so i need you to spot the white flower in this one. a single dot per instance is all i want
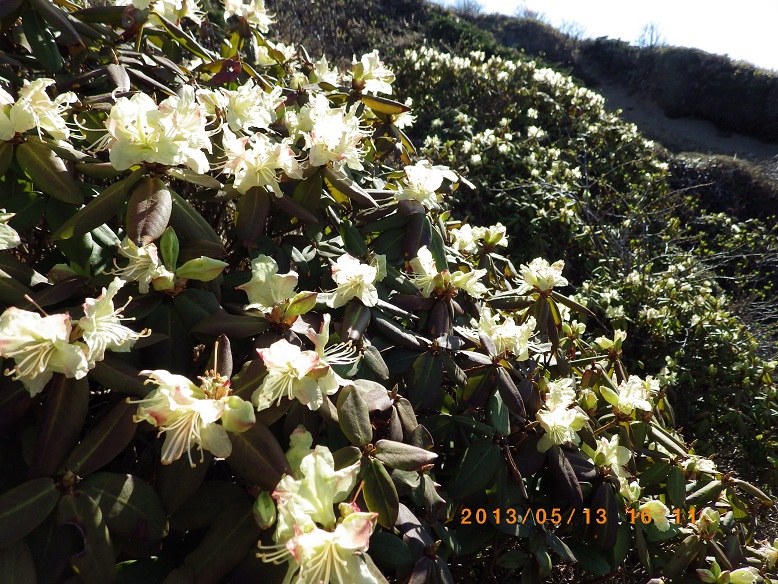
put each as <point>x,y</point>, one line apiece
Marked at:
<point>425,272</point>
<point>560,393</point>
<point>8,236</point>
<point>338,354</point>
<point>172,133</point>
<point>427,278</point>
<point>749,575</point>
<point>494,235</point>
<point>542,276</point>
<point>769,552</point>
<point>255,161</point>
<point>40,346</point>
<point>353,280</point>
<point>465,238</point>
<point>633,393</point>
<point>319,547</point>
<point>422,181</point>
<point>561,425</point>
<point>470,282</point>
<point>610,454</point>
<point>332,135</point>
<point>144,267</point>
<point>294,374</point>
<point>694,463</point>
<point>253,11</point>
<point>102,328</point>
<point>34,109</point>
<point>267,288</point>
<point>188,414</point>
<point>658,512</point>
<point>630,490</point>
<point>371,72</point>
<point>507,335</point>
<point>250,106</point>
<point>172,10</point>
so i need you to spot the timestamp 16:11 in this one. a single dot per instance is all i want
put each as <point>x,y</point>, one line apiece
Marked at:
<point>645,517</point>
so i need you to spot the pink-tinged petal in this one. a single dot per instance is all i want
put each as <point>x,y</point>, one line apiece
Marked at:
<point>355,530</point>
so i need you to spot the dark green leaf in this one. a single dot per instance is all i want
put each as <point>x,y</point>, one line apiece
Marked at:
<point>380,493</point>
<point>402,456</point>
<point>476,470</point>
<point>209,501</point>
<point>354,416</point>
<point>349,188</point>
<point>148,210</point>
<point>41,41</point>
<point>17,565</point>
<point>257,457</point>
<point>251,216</point>
<point>188,223</point>
<point>179,480</point>
<point>230,538</point>
<point>24,507</point>
<point>130,507</point>
<point>425,381</point>
<point>57,19</point>
<point>115,374</point>
<point>390,551</point>
<point>564,476</point>
<point>654,474</point>
<point>234,326</point>
<point>48,171</point>
<point>95,564</point>
<point>99,210</point>
<point>64,412</point>
<point>676,486</point>
<point>107,439</point>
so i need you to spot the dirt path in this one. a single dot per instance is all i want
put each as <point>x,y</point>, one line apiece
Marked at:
<point>684,134</point>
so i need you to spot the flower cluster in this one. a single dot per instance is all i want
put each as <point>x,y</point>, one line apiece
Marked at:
<point>188,414</point>
<point>430,281</point>
<point>34,109</point>
<point>561,418</point>
<point>319,546</point>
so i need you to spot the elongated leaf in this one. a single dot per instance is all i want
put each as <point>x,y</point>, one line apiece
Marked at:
<point>178,481</point>
<point>476,470</point>
<point>395,332</point>
<point>41,41</point>
<point>655,474</point>
<point>95,564</point>
<point>354,416</point>
<point>212,499</point>
<point>425,381</point>
<point>130,506</point>
<point>188,223</point>
<point>402,456</point>
<point>11,291</point>
<point>64,412</point>
<point>510,393</point>
<point>391,551</point>
<point>257,457</point>
<point>308,192</point>
<point>117,375</point>
<point>251,217</point>
<point>604,506</point>
<point>380,493</point>
<point>234,326</point>
<point>375,361</point>
<point>24,507</point>
<point>107,439</point>
<point>564,476</point>
<point>148,210</point>
<point>99,210</point>
<point>382,105</point>
<point>48,171</point>
<point>349,188</point>
<point>57,19</point>
<point>230,538</point>
<point>294,209</point>
<point>17,565</point>
<point>185,40</point>
<point>6,156</point>
<point>15,400</point>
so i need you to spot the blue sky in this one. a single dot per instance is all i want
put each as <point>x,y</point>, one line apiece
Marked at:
<point>747,29</point>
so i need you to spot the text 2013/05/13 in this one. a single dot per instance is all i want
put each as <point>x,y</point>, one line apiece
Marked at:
<point>557,516</point>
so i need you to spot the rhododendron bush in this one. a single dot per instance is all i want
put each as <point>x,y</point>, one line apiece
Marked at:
<point>244,340</point>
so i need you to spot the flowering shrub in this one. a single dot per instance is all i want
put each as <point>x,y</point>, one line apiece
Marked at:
<point>570,180</point>
<point>235,251</point>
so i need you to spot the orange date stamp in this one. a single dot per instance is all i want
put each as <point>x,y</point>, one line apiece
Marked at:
<point>557,516</point>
